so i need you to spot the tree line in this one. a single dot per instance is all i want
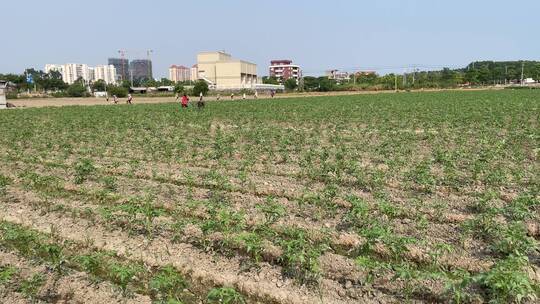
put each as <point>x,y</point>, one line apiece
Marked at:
<point>481,73</point>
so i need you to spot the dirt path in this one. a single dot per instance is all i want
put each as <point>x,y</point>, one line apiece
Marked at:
<point>59,102</point>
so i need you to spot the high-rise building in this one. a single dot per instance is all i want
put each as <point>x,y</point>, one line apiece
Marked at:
<point>53,67</point>
<point>122,68</point>
<point>179,73</point>
<point>224,72</point>
<point>72,71</point>
<point>284,69</point>
<point>194,72</point>
<point>141,69</point>
<point>106,73</point>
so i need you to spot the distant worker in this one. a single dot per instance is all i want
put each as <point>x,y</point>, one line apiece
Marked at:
<point>185,101</point>
<point>115,99</point>
<point>272,93</point>
<point>129,99</point>
<point>244,96</point>
<point>218,97</point>
<point>176,96</point>
<point>256,94</point>
<point>200,103</point>
<point>232,96</point>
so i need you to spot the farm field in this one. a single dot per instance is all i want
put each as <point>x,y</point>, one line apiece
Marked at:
<point>386,198</point>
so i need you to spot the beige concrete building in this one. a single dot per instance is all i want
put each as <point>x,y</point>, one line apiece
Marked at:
<point>224,72</point>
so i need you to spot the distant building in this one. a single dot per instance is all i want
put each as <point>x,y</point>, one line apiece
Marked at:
<point>179,73</point>
<point>106,73</point>
<point>3,89</point>
<point>141,69</point>
<point>222,71</point>
<point>337,75</point>
<point>194,73</point>
<point>122,68</point>
<point>284,69</point>
<point>529,81</point>
<point>365,73</point>
<point>71,71</point>
<point>53,67</point>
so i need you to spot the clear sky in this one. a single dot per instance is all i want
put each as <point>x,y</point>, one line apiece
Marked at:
<point>345,34</point>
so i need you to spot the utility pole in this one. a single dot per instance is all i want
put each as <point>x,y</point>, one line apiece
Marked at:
<point>522,71</point>
<point>149,64</point>
<point>405,78</point>
<point>505,75</point>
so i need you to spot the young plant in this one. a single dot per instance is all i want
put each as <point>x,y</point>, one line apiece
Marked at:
<point>30,287</point>
<point>83,170</point>
<point>508,281</point>
<point>167,285</point>
<point>225,295</point>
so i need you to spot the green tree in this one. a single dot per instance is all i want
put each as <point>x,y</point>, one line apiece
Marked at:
<point>270,80</point>
<point>166,82</point>
<point>200,86</point>
<point>290,84</point>
<point>326,84</point>
<point>118,91</point>
<point>126,84</point>
<point>77,89</point>
<point>178,88</point>
<point>99,85</point>
<point>55,81</point>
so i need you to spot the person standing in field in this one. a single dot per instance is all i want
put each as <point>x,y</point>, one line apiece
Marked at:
<point>232,96</point>
<point>115,99</point>
<point>272,93</point>
<point>185,101</point>
<point>256,94</point>
<point>129,99</point>
<point>200,103</point>
<point>244,96</point>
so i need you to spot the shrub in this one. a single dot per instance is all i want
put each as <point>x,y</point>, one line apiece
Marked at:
<point>200,87</point>
<point>118,91</point>
<point>77,90</point>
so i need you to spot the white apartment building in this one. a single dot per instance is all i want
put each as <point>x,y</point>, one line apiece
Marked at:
<point>73,71</point>
<point>53,67</point>
<point>106,73</point>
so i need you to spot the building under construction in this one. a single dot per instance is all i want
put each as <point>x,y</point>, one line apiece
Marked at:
<point>122,68</point>
<point>140,69</point>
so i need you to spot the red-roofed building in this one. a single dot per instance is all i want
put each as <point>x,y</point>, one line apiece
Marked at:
<point>284,69</point>
<point>179,73</point>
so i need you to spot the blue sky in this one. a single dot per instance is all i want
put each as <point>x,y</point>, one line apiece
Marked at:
<point>345,34</point>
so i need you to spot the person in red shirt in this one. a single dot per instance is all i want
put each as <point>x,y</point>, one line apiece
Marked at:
<point>185,101</point>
